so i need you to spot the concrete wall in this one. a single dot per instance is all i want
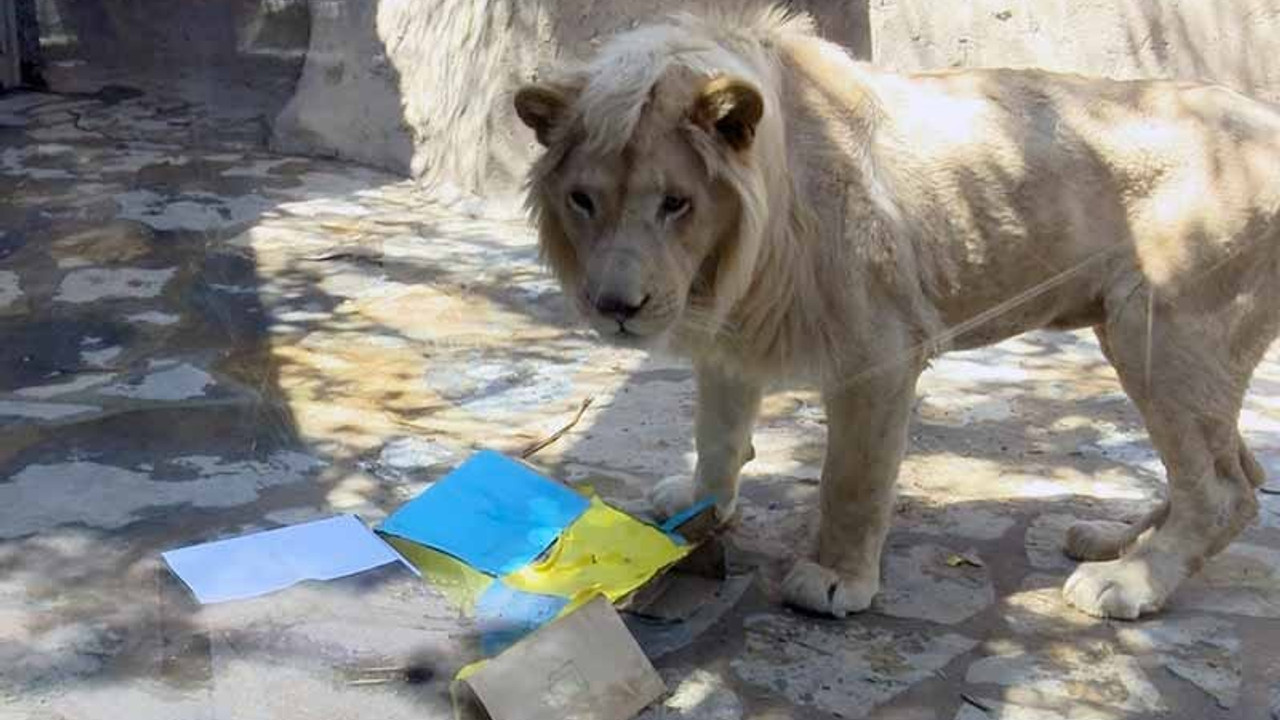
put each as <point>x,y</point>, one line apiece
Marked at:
<point>421,86</point>
<point>1234,42</point>
<point>184,33</point>
<point>242,57</point>
<point>9,58</point>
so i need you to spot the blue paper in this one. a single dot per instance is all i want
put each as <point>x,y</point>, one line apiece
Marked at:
<point>680,518</point>
<point>491,512</point>
<point>504,615</point>
<point>253,565</point>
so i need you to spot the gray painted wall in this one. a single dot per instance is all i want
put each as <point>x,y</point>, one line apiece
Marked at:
<point>420,86</point>
<point>9,59</point>
<point>185,33</point>
<point>1233,42</point>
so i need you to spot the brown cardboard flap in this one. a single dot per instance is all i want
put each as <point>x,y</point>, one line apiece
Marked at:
<point>584,666</point>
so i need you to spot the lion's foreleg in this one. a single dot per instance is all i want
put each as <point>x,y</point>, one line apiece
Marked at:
<point>727,409</point>
<point>866,441</point>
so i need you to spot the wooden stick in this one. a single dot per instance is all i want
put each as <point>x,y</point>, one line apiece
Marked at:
<point>539,445</point>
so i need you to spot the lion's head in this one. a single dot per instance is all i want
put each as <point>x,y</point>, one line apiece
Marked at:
<point>649,198</point>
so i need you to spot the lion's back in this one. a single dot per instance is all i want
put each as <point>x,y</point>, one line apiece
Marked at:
<point>1188,173</point>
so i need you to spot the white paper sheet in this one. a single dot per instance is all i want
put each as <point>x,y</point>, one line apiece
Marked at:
<point>257,564</point>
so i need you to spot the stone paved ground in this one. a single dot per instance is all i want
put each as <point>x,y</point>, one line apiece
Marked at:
<point>200,342</point>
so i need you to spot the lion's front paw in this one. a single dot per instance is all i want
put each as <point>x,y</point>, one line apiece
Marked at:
<point>813,587</point>
<point>670,496</point>
<point>1124,589</point>
<point>673,495</point>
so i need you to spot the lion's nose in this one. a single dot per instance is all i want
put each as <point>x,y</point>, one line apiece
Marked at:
<point>620,307</point>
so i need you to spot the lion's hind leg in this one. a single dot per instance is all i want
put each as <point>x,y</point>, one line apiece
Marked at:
<point>1180,372</point>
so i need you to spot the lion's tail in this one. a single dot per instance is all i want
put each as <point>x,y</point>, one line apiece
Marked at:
<point>1102,540</point>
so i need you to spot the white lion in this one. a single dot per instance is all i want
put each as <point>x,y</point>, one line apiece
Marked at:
<point>745,192</point>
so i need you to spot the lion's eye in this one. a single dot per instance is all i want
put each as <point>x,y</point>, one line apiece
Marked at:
<point>581,202</point>
<point>674,206</point>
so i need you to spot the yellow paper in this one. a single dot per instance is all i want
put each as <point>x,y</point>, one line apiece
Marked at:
<point>603,551</point>
<point>460,583</point>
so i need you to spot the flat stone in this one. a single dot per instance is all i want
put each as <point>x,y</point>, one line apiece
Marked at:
<point>50,656</point>
<point>178,382</point>
<point>15,156</point>
<point>697,695</point>
<point>254,168</point>
<point>353,493</point>
<point>1260,429</point>
<point>153,317</point>
<point>659,446</point>
<point>792,457</point>
<point>61,106</point>
<point>779,531</point>
<point>18,162</point>
<point>43,496</point>
<point>467,255</point>
<point>1070,678</point>
<point>93,284</point>
<point>1243,580</point>
<point>325,206</point>
<point>1045,539</point>
<point>298,515</point>
<point>102,357</point>
<point>198,211</point>
<point>1269,496</point>
<point>955,520</point>
<point>19,102</point>
<point>841,667</point>
<point>1202,651</point>
<point>975,366</point>
<point>233,289</point>
<point>957,408</point>
<point>1037,608</point>
<point>1119,486</point>
<point>996,710</point>
<point>61,132</point>
<point>44,410</point>
<point>1125,445</point>
<point>119,241</point>
<point>313,645</point>
<point>413,453</point>
<point>314,692</point>
<point>76,383</point>
<point>985,477</point>
<point>10,290</point>
<point>138,159</point>
<point>932,582</point>
<point>500,385</point>
<point>144,698</point>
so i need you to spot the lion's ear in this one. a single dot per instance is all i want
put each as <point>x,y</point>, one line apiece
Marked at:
<point>541,107</point>
<point>731,108</point>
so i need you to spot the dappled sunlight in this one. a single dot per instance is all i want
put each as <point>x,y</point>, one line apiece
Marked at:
<point>204,338</point>
<point>382,312</point>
